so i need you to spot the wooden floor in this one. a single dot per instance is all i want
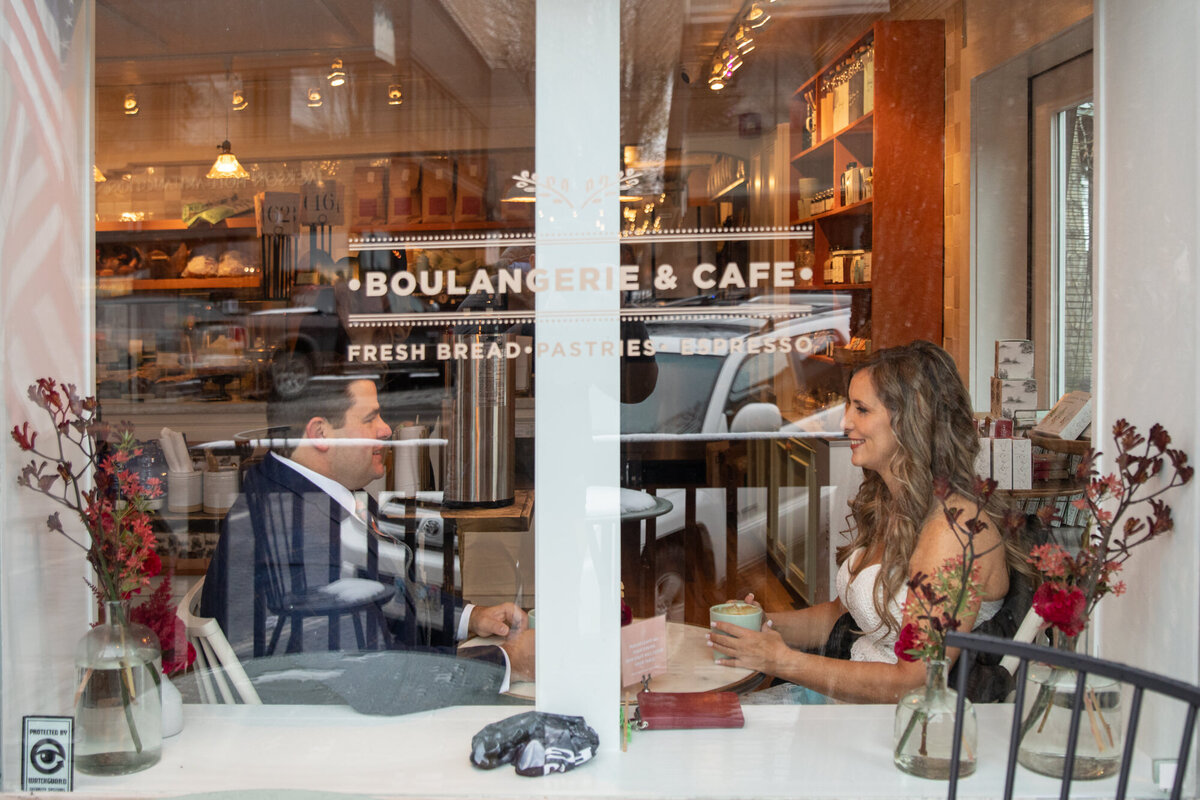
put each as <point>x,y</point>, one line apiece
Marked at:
<point>758,579</point>
<point>768,590</point>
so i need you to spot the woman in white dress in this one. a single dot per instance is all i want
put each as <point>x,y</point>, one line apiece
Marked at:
<point>909,420</point>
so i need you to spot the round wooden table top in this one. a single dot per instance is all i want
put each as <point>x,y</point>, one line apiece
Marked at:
<point>690,667</point>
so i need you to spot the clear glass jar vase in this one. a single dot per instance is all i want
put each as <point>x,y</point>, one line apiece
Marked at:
<point>118,701</point>
<point>1046,721</point>
<point>924,733</point>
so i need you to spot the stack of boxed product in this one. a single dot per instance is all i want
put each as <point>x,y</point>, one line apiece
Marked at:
<point>1005,459</point>
<point>1013,385</point>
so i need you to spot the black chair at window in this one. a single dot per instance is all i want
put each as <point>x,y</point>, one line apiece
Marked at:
<point>1140,680</point>
<point>282,577</point>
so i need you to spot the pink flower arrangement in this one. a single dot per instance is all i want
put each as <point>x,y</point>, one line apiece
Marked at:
<point>114,511</point>
<point>1074,582</point>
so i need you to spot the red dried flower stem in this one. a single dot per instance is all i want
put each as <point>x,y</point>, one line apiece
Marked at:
<point>1134,472</point>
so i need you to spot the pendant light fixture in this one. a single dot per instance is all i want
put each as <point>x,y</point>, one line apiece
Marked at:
<point>226,165</point>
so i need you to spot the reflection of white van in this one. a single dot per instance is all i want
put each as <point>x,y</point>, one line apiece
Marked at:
<point>739,375</point>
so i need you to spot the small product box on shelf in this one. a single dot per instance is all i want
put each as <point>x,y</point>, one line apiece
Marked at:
<point>983,461</point>
<point>1014,359</point>
<point>1069,418</point>
<point>1002,463</point>
<point>1008,397</point>
<point>1022,464</point>
<point>369,206</point>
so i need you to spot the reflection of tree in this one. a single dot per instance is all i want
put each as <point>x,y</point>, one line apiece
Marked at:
<point>1077,322</point>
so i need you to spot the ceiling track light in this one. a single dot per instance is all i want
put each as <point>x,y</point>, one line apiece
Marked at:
<point>314,97</point>
<point>337,73</point>
<point>757,17</point>
<point>738,40</point>
<point>238,102</point>
<point>131,104</point>
<point>395,96</point>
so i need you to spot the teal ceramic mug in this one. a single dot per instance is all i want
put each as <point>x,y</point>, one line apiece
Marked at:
<point>744,615</point>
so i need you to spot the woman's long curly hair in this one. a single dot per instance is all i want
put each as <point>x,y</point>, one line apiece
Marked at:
<point>934,425</point>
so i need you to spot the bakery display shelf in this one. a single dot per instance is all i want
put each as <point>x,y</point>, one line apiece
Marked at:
<point>151,284</point>
<point>438,227</point>
<point>170,225</point>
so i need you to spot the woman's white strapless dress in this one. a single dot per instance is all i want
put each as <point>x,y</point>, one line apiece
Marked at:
<point>877,643</point>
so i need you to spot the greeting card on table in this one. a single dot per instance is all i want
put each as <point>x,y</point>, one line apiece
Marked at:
<point>643,649</point>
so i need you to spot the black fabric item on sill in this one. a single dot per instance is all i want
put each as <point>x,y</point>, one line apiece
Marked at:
<point>535,743</point>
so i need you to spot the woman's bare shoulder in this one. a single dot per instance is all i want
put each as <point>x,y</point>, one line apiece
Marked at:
<point>951,521</point>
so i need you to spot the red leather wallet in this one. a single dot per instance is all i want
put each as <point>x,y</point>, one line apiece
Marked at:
<point>674,710</point>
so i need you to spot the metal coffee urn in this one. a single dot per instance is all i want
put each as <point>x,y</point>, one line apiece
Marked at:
<point>480,460</point>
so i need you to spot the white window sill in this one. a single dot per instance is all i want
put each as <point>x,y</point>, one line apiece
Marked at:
<point>784,751</point>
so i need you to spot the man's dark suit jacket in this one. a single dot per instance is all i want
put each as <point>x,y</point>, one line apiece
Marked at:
<point>289,503</point>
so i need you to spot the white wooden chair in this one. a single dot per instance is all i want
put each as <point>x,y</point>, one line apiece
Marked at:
<point>217,669</point>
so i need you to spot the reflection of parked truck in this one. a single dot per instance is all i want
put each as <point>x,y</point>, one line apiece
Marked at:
<point>291,346</point>
<point>722,376</point>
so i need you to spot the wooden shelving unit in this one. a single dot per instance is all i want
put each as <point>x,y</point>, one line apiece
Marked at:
<point>174,226</point>
<point>901,139</point>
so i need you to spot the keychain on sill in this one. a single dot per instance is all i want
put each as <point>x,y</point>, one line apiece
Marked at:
<point>634,723</point>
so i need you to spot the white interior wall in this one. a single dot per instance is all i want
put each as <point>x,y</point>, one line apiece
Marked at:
<point>45,294</point>
<point>1000,166</point>
<point>1148,160</point>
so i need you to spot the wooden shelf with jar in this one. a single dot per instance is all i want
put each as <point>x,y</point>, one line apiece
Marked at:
<point>871,125</point>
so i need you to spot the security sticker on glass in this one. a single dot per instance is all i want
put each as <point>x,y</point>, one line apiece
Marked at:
<point>48,762</point>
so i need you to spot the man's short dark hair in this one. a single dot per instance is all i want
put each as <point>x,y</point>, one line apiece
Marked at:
<point>328,399</point>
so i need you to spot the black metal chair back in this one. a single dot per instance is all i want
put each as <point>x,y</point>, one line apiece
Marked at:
<point>1140,681</point>
<point>282,574</point>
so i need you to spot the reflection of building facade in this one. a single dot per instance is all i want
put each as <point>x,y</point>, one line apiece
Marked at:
<point>195,308</point>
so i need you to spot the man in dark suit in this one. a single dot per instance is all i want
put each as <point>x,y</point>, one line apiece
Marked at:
<point>305,503</point>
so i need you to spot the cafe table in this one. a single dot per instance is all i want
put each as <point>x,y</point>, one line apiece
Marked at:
<point>828,751</point>
<point>690,667</point>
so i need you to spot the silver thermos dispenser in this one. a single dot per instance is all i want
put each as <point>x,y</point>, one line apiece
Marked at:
<point>480,461</point>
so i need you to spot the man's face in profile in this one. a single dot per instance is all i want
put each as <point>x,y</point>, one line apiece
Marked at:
<point>354,465</point>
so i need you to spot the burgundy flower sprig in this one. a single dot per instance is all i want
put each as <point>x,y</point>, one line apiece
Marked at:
<point>113,511</point>
<point>1074,583</point>
<point>937,603</point>
<point>933,608</point>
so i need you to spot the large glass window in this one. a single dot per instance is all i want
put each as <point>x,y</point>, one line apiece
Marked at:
<point>300,209</point>
<point>432,315</point>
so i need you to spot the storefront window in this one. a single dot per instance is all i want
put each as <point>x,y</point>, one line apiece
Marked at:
<point>383,227</point>
<point>290,216</point>
<point>549,309</point>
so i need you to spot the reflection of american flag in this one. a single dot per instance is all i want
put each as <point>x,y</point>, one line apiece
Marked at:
<point>43,184</point>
